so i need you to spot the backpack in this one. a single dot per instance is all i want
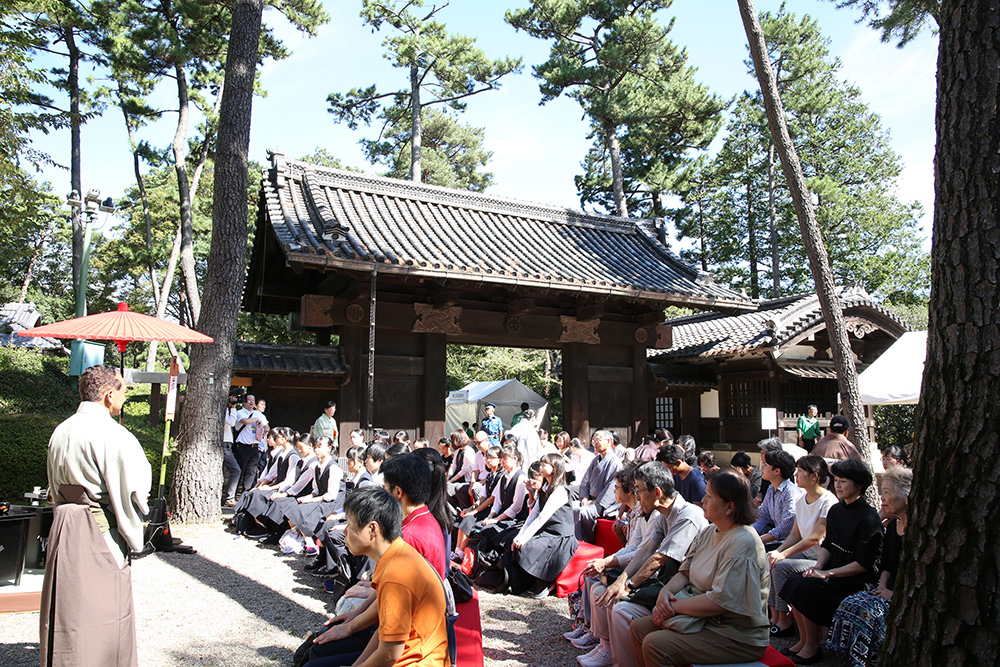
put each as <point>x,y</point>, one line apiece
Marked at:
<point>489,572</point>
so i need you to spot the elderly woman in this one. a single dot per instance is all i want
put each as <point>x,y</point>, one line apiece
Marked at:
<point>800,550</point>
<point>714,610</point>
<point>846,561</point>
<point>858,628</point>
<point>777,513</point>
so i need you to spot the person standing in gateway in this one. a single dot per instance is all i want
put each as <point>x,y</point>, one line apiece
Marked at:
<point>325,424</point>
<point>99,480</point>
<point>808,428</point>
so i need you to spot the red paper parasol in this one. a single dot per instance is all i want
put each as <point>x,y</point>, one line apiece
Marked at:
<point>121,326</point>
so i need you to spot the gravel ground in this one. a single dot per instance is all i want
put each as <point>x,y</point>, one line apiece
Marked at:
<point>236,602</point>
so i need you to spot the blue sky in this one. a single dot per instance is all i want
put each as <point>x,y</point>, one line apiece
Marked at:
<point>536,149</point>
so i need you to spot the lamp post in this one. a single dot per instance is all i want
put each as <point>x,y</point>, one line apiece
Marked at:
<point>89,207</point>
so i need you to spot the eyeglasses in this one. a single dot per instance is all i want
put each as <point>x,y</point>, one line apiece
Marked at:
<point>639,490</point>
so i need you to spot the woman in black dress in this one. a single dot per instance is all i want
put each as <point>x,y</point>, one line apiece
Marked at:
<point>546,543</point>
<point>847,560</point>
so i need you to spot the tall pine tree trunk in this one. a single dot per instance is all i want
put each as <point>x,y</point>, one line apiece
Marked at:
<point>75,167</point>
<point>946,607</point>
<point>752,233</point>
<point>197,483</point>
<point>772,218</point>
<point>819,262</point>
<point>184,195</point>
<point>617,177</point>
<point>416,133</point>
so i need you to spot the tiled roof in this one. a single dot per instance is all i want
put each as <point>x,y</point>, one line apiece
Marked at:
<point>16,317</point>
<point>294,359</point>
<point>776,322</point>
<point>685,375</point>
<point>342,219</point>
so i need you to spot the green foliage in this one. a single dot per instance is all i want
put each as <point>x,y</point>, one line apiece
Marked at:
<point>444,69</point>
<point>24,442</point>
<point>36,394</point>
<point>31,383</point>
<point>900,20</point>
<point>22,108</point>
<point>451,153</point>
<point>871,236</point>
<point>895,425</point>
<point>263,328</point>
<point>533,368</point>
<point>646,110</point>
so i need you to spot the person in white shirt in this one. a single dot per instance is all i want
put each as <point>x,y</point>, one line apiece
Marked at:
<point>247,448</point>
<point>230,466</point>
<point>528,442</point>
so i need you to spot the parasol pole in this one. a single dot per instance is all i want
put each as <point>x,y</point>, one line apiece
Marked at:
<point>122,344</point>
<point>158,531</point>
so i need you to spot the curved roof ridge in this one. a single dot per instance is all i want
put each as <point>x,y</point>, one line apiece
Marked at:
<point>437,194</point>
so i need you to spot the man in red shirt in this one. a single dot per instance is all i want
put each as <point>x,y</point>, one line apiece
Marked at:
<point>411,602</point>
<point>408,479</point>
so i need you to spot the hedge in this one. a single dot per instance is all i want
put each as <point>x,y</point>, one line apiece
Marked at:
<point>31,383</point>
<point>36,394</point>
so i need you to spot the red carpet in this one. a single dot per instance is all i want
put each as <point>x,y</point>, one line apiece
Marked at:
<point>469,633</point>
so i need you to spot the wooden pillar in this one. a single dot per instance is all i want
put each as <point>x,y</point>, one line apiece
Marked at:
<point>435,384</point>
<point>354,393</point>
<point>640,394</point>
<point>576,394</point>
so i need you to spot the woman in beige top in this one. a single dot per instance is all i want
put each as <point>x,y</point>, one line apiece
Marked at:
<point>714,610</point>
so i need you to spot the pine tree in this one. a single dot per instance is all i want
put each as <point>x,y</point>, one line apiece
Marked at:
<point>646,110</point>
<point>444,70</point>
<point>849,166</point>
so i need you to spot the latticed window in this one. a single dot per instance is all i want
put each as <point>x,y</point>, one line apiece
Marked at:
<point>743,399</point>
<point>666,413</point>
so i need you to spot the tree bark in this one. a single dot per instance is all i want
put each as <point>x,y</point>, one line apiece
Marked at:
<point>197,483</point>
<point>75,168</point>
<point>416,133</point>
<point>184,195</point>
<point>946,610</point>
<point>752,233</point>
<point>617,177</point>
<point>773,224</point>
<point>819,262</point>
<point>162,296</point>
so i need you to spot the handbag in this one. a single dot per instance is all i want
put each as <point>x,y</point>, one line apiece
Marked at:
<point>461,585</point>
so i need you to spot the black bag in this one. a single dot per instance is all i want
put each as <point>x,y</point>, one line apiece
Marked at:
<point>461,585</point>
<point>490,573</point>
<point>301,655</point>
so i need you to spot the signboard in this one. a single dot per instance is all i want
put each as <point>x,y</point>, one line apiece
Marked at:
<point>769,419</point>
<point>172,390</point>
<point>458,396</point>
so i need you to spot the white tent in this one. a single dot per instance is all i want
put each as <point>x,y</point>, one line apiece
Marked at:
<point>468,404</point>
<point>894,378</point>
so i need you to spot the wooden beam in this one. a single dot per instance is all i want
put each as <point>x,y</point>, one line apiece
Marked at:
<point>446,298</point>
<point>590,312</point>
<point>652,317</point>
<point>521,306</point>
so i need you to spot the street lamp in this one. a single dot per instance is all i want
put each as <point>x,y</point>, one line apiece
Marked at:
<point>89,207</point>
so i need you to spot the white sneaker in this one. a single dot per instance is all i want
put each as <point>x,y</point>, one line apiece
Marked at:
<point>599,657</point>
<point>587,641</point>
<point>580,631</point>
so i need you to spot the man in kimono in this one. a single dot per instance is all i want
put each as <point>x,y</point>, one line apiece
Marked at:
<point>99,482</point>
<point>597,488</point>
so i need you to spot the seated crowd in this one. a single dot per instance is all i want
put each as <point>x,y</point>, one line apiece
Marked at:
<point>714,561</point>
